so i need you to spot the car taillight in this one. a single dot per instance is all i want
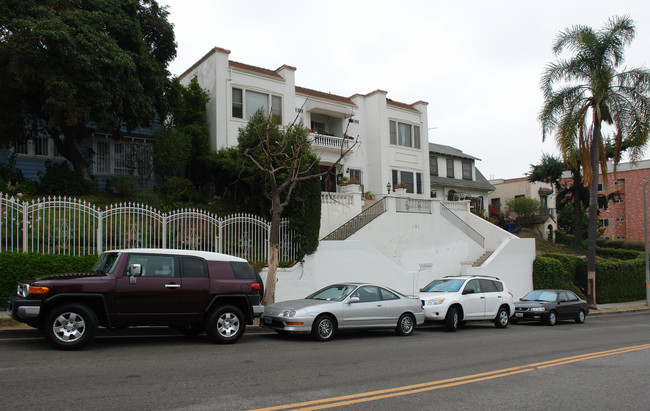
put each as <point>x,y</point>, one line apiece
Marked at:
<point>511,294</point>
<point>255,287</point>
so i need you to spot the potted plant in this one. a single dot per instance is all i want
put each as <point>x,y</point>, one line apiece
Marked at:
<point>400,188</point>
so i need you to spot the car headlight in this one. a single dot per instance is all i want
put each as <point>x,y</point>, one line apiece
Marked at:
<point>538,309</point>
<point>435,301</point>
<point>288,313</point>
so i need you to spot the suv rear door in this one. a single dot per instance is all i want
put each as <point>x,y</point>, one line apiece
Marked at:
<point>493,297</point>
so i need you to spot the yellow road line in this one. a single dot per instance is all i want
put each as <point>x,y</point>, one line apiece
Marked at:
<point>447,383</point>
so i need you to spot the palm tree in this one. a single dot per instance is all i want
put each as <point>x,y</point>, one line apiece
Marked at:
<point>585,90</point>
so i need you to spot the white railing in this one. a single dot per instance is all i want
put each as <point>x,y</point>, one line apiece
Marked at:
<point>323,140</point>
<point>63,225</point>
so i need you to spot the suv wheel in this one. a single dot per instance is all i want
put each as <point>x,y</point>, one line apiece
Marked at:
<point>70,326</point>
<point>501,320</point>
<point>405,324</point>
<point>451,319</point>
<point>225,325</point>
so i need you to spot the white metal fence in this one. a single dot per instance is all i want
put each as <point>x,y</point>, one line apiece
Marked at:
<point>62,225</point>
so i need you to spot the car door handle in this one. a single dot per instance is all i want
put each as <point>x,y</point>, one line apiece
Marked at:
<point>499,296</point>
<point>482,298</point>
<point>172,286</point>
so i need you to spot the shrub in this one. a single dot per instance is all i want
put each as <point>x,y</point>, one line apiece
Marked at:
<point>59,179</point>
<point>563,238</point>
<point>550,271</point>
<point>178,188</point>
<point>17,267</point>
<point>125,186</point>
<point>616,254</point>
<point>620,280</point>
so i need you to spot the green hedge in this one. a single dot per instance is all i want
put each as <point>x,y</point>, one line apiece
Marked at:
<point>17,267</point>
<point>616,253</point>
<point>616,280</point>
<point>625,245</point>
<point>555,271</point>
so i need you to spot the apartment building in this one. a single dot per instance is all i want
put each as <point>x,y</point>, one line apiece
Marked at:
<point>390,136</point>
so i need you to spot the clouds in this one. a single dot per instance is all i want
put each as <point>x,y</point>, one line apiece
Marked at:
<point>477,63</point>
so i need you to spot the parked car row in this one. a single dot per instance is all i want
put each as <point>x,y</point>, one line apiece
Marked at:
<point>451,301</point>
<point>195,292</point>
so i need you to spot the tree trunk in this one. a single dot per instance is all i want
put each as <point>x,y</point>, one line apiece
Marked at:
<point>68,149</point>
<point>577,209</point>
<point>274,248</point>
<point>593,218</point>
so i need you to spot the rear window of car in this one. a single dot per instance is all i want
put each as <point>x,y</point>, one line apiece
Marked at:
<point>487,286</point>
<point>242,270</point>
<point>194,267</point>
<point>498,285</point>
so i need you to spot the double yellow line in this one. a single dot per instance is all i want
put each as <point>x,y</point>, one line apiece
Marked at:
<point>451,382</point>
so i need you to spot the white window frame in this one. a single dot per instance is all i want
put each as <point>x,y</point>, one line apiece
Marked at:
<point>28,148</point>
<point>397,134</point>
<point>272,101</point>
<point>114,156</point>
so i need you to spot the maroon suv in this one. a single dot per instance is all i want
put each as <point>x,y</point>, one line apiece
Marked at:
<point>193,291</point>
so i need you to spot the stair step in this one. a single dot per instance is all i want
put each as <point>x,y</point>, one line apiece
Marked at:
<point>479,262</point>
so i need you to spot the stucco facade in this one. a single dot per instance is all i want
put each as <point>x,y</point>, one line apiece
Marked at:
<point>390,136</point>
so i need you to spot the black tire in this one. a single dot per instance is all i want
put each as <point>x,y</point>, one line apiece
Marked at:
<point>323,328</point>
<point>551,320</point>
<point>405,324</point>
<point>580,319</point>
<point>70,326</point>
<point>451,319</point>
<point>503,318</point>
<point>225,325</point>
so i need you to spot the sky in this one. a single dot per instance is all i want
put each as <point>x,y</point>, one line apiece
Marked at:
<point>477,63</point>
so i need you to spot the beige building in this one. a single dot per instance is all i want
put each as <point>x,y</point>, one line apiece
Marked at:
<point>508,189</point>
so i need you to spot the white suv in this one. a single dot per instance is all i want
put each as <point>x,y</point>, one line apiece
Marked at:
<point>456,299</point>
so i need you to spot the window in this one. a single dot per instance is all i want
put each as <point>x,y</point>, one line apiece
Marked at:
<point>450,168</point>
<point>413,186</point>
<point>603,204</point>
<point>248,102</point>
<point>605,222</point>
<point>619,200</point>
<point>487,286</point>
<point>600,186</point>
<point>620,182</point>
<point>388,295</point>
<point>194,267</point>
<point>520,196</point>
<point>355,174</point>
<point>544,201</point>
<point>404,134</point>
<point>39,145</point>
<point>152,265</point>
<point>467,170</point>
<point>367,294</point>
<point>433,165</point>
<point>496,204</point>
<point>620,219</point>
<point>237,103</point>
<point>130,156</point>
<point>242,270</point>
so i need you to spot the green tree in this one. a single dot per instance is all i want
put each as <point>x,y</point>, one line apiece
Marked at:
<point>185,135</point>
<point>285,158</point>
<point>525,209</point>
<point>586,90</point>
<point>70,67</point>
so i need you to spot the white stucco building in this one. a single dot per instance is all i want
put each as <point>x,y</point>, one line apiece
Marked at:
<point>391,136</point>
<point>404,239</point>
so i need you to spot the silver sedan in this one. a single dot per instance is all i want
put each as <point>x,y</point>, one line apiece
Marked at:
<point>345,306</point>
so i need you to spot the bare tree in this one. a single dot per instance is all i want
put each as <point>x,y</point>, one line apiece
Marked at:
<point>285,157</point>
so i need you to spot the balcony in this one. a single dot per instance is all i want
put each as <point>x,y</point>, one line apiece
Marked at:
<point>329,142</point>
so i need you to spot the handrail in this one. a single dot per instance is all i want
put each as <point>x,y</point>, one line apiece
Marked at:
<point>461,225</point>
<point>358,221</point>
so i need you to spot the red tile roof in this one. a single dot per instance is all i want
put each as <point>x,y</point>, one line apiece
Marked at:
<point>326,96</point>
<point>254,69</point>
<point>401,105</point>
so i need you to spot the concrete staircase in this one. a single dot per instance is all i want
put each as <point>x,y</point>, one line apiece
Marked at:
<point>479,262</point>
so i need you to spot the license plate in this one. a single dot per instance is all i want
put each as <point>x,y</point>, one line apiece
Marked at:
<point>268,320</point>
<point>519,314</point>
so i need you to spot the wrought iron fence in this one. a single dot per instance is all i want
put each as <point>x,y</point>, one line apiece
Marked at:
<point>64,225</point>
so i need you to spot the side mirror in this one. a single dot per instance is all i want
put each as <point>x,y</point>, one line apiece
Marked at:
<point>135,270</point>
<point>353,300</point>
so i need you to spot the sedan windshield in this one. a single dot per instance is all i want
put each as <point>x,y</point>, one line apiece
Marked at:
<point>547,296</point>
<point>335,292</point>
<point>440,286</point>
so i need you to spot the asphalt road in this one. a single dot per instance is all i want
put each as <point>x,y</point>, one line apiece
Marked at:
<point>603,364</point>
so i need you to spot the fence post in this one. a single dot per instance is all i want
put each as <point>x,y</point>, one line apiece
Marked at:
<point>25,228</point>
<point>100,232</point>
<point>220,237</point>
<point>164,230</point>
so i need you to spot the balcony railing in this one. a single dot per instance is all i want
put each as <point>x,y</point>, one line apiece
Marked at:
<point>322,140</point>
